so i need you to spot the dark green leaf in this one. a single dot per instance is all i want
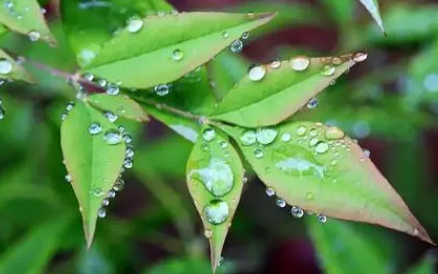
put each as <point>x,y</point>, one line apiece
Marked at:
<point>121,105</point>
<point>215,181</point>
<point>272,93</point>
<point>167,47</point>
<point>92,160</point>
<point>318,169</point>
<point>181,266</point>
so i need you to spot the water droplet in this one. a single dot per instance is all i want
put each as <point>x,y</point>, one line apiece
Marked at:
<point>265,136</point>
<point>112,89</point>
<point>134,24</point>
<point>95,128</point>
<point>257,73</point>
<point>208,233</point>
<point>313,103</point>
<point>43,11</point>
<point>70,106</point>
<point>217,212</point>
<point>97,192</point>
<point>111,116</point>
<point>334,133</point>
<point>322,147</point>
<point>276,64</point>
<point>105,202</point>
<point>328,70</point>
<point>236,46</point>
<point>34,36</point>
<point>300,63</point>
<point>245,180</point>
<point>68,178</point>
<point>128,163</point>
<point>336,61</point>
<point>360,57</point>
<point>366,154</point>
<point>217,177</point>
<point>313,142</point>
<point>297,212</point>
<point>162,89</point>
<point>127,138</point>
<point>313,132</point>
<point>294,160</point>
<point>209,134</point>
<point>177,55</point>
<point>101,212</point>
<point>88,76</point>
<point>245,35</point>
<point>280,202</point>
<point>248,138</point>
<point>119,185</point>
<point>225,34</point>
<point>223,144</point>
<point>334,162</point>
<point>111,194</point>
<point>286,137</point>
<point>221,261</point>
<point>258,153</point>
<point>112,137</point>
<point>5,66</point>
<point>309,196</point>
<point>322,218</point>
<point>102,82</point>
<point>270,192</point>
<point>301,131</point>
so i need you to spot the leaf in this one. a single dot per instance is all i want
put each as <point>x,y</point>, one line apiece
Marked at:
<point>215,181</point>
<point>26,17</point>
<point>9,69</point>
<point>318,169</point>
<point>342,11</point>
<point>426,266</point>
<point>373,8</point>
<point>282,91</point>
<point>93,164</point>
<point>121,105</point>
<point>88,24</point>
<point>170,46</point>
<point>180,266</point>
<point>34,251</point>
<point>342,250</point>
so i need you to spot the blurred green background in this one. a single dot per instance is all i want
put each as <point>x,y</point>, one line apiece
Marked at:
<point>389,103</point>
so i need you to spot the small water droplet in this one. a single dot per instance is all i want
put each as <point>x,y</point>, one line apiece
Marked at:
<point>97,192</point>
<point>111,116</point>
<point>64,116</point>
<point>258,153</point>
<point>177,55</point>
<point>225,34</point>
<point>128,163</point>
<point>112,137</point>
<point>127,138</point>
<point>313,132</point>
<point>336,61</point>
<point>276,64</point>
<point>101,212</point>
<point>70,106</point>
<point>5,66</point>
<point>322,218</point>
<point>68,178</point>
<point>366,154</point>
<point>286,137</point>
<point>257,73</point>
<point>248,138</point>
<point>111,194</point>
<point>162,89</point>
<point>129,151</point>
<point>309,196</point>
<point>217,212</point>
<point>88,76</point>
<point>300,63</point>
<point>360,57</point>
<point>301,131</point>
<point>245,180</point>
<point>322,147</point>
<point>280,202</point>
<point>334,133</point>
<point>102,82</point>
<point>105,202</point>
<point>134,24</point>
<point>328,70</point>
<point>313,142</point>
<point>34,36</point>
<point>236,46</point>
<point>119,185</point>
<point>223,144</point>
<point>297,212</point>
<point>95,128</point>
<point>208,233</point>
<point>245,35</point>
<point>112,89</point>
<point>209,134</point>
<point>265,136</point>
<point>313,103</point>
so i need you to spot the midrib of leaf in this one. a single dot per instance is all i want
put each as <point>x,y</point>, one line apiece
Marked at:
<point>263,17</point>
<point>282,91</point>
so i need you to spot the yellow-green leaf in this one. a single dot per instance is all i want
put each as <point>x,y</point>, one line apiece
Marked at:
<point>167,47</point>
<point>215,181</point>
<point>121,105</point>
<point>94,153</point>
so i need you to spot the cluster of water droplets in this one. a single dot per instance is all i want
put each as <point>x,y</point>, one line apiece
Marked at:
<point>13,11</point>
<point>237,45</point>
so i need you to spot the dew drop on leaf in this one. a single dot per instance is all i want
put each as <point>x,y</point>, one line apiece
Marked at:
<point>313,103</point>
<point>276,64</point>
<point>248,138</point>
<point>309,196</point>
<point>112,137</point>
<point>102,82</point>
<point>297,161</point>
<point>334,133</point>
<point>236,46</point>
<point>322,218</point>
<point>97,192</point>
<point>70,106</point>
<point>112,89</point>
<point>280,202</point>
<point>105,202</point>
<point>34,36</point>
<point>68,178</point>
<point>360,57</point>
<point>265,136</point>
<point>297,212</point>
<point>177,55</point>
<point>5,66</point>
<point>216,212</point>
<point>119,185</point>
<point>101,212</point>
<point>336,61</point>
<point>162,89</point>
<point>110,116</point>
<point>208,233</point>
<point>134,24</point>
<point>225,34</point>
<point>301,130</point>
<point>257,73</point>
<point>286,137</point>
<point>258,153</point>
<point>111,194</point>
<point>128,163</point>
<point>95,128</point>
<point>217,177</point>
<point>208,134</point>
<point>127,138</point>
<point>270,192</point>
<point>300,63</point>
<point>328,70</point>
<point>322,147</point>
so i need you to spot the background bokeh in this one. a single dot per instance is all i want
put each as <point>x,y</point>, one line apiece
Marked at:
<point>389,103</point>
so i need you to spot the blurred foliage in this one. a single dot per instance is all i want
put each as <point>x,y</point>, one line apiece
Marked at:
<point>390,104</point>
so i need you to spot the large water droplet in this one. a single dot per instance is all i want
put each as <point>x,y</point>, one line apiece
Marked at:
<point>34,36</point>
<point>248,138</point>
<point>360,57</point>
<point>300,63</point>
<point>5,66</point>
<point>112,137</point>
<point>297,212</point>
<point>322,147</point>
<point>257,73</point>
<point>134,24</point>
<point>162,89</point>
<point>101,213</point>
<point>216,212</point>
<point>236,46</point>
<point>334,133</point>
<point>95,128</point>
<point>208,134</point>
<point>177,55</point>
<point>297,161</point>
<point>217,177</point>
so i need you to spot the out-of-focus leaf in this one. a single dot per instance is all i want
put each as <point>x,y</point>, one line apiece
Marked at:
<point>318,169</point>
<point>342,250</point>
<point>426,266</point>
<point>34,251</point>
<point>121,105</point>
<point>272,93</point>
<point>93,261</point>
<point>373,8</point>
<point>26,17</point>
<point>181,266</point>
<point>172,45</point>
<point>215,181</point>
<point>9,69</point>
<point>94,151</point>
<point>341,10</point>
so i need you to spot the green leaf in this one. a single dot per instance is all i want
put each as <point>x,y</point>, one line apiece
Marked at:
<point>121,105</point>
<point>318,169</point>
<point>373,8</point>
<point>93,163</point>
<point>426,266</point>
<point>341,10</point>
<point>342,250</point>
<point>9,69</point>
<point>169,46</point>
<point>282,91</point>
<point>34,251</point>
<point>90,24</point>
<point>26,17</point>
<point>181,266</point>
<point>215,181</point>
